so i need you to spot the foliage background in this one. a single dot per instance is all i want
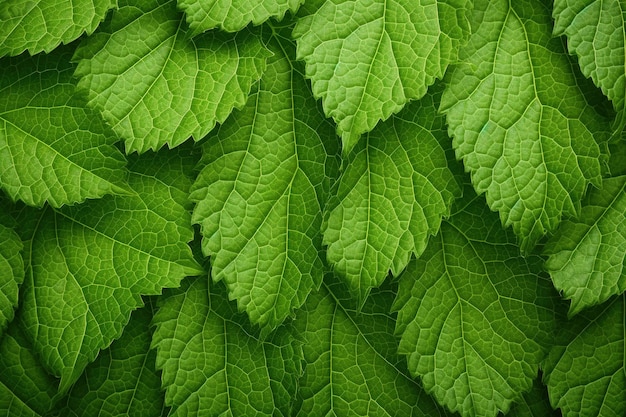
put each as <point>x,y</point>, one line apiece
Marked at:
<point>320,208</point>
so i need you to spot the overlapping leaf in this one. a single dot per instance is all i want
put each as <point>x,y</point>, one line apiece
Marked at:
<point>595,33</point>
<point>26,389</point>
<point>534,403</point>
<point>367,59</point>
<point>475,317</point>
<point>41,25</point>
<point>88,265</point>
<point>519,120</point>
<point>394,190</point>
<point>260,193</point>
<point>52,149</point>
<point>214,365</point>
<point>155,85</point>
<point>352,368</point>
<point>11,273</point>
<point>233,15</point>
<point>123,380</point>
<point>585,371</point>
<point>586,256</point>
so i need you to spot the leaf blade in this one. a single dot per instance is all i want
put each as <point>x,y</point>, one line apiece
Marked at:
<point>259,195</point>
<point>155,85</point>
<point>364,71</point>
<point>528,140</point>
<point>52,149</point>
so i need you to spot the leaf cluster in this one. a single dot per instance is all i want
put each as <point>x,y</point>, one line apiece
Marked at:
<point>320,208</point>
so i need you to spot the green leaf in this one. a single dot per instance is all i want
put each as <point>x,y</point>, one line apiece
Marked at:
<point>233,15</point>
<point>41,25</point>
<point>214,365</point>
<point>367,59</point>
<point>123,380</point>
<point>392,194</point>
<point>155,85</point>
<point>585,371</point>
<point>520,121</point>
<point>595,33</point>
<point>475,317</point>
<point>534,403</point>
<point>52,149</point>
<point>259,196</point>
<point>26,389</point>
<point>352,368</point>
<point>88,265</point>
<point>586,256</point>
<point>11,274</point>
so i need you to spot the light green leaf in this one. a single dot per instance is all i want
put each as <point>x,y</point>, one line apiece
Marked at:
<point>155,85</point>
<point>26,389</point>
<point>367,59</point>
<point>259,196</point>
<point>520,121</point>
<point>233,15</point>
<point>52,149</point>
<point>88,265</point>
<point>11,273</point>
<point>595,33</point>
<point>41,25</point>
<point>586,256</point>
<point>214,365</point>
<point>475,317</point>
<point>352,368</point>
<point>123,380</point>
<point>585,371</point>
<point>393,192</point>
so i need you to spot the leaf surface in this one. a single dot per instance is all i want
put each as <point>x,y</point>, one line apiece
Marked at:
<point>259,196</point>
<point>123,380</point>
<point>213,363</point>
<point>88,265</point>
<point>475,317</point>
<point>155,85</point>
<point>52,149</point>
<point>367,59</point>
<point>11,273</point>
<point>233,15</point>
<point>586,256</point>
<point>41,25</point>
<point>520,121</point>
<point>534,403</point>
<point>595,33</point>
<point>392,194</point>
<point>585,371</point>
<point>26,389</point>
<point>352,368</point>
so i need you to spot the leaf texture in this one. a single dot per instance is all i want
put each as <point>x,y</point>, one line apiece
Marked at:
<point>475,318</point>
<point>259,196</point>
<point>41,25</point>
<point>26,389</point>
<point>534,403</point>
<point>392,194</point>
<point>520,121</point>
<point>367,59</point>
<point>585,371</point>
<point>352,368</point>
<point>586,256</point>
<point>52,149</point>
<point>88,265</point>
<point>155,85</point>
<point>123,380</point>
<point>11,274</point>
<point>233,15</point>
<point>595,33</point>
<point>212,362</point>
